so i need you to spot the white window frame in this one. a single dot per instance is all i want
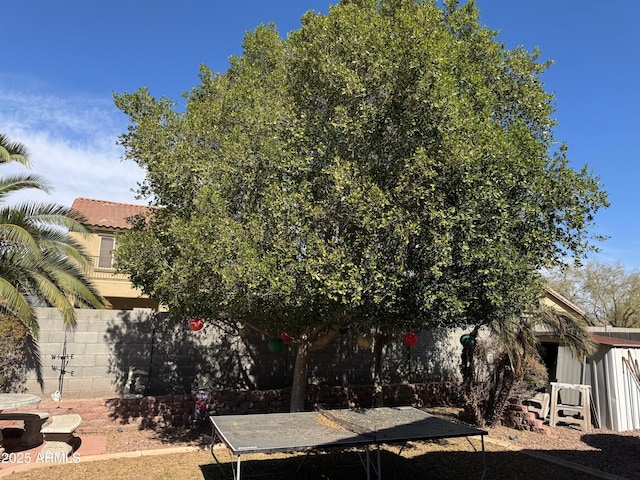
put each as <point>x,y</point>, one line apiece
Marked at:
<point>105,258</point>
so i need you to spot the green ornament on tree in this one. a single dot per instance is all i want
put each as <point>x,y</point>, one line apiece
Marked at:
<point>468,340</point>
<point>276,345</point>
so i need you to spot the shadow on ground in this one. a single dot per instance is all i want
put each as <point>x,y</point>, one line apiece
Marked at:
<point>435,465</point>
<point>615,454</point>
<point>198,433</point>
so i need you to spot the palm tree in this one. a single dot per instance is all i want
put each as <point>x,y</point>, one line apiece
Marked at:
<point>490,381</point>
<point>39,262</point>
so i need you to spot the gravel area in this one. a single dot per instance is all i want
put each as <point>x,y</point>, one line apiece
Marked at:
<point>615,453</point>
<point>130,438</point>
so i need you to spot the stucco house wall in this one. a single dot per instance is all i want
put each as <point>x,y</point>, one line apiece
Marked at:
<point>110,219</point>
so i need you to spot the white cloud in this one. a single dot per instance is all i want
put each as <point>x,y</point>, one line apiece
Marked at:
<point>72,143</point>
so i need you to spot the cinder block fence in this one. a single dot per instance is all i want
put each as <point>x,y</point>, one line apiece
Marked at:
<point>95,359</point>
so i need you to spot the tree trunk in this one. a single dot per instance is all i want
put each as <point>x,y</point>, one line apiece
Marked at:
<point>378,348</point>
<point>381,340</point>
<point>472,402</point>
<point>501,391</point>
<point>318,340</point>
<point>299,386</point>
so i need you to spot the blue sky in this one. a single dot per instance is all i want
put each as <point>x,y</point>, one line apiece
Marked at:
<point>63,60</point>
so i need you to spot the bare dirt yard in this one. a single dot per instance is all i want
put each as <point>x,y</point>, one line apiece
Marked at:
<point>565,453</point>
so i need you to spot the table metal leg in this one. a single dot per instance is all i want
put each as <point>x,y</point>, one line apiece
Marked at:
<point>484,459</point>
<point>235,470</point>
<point>484,455</point>
<point>368,463</point>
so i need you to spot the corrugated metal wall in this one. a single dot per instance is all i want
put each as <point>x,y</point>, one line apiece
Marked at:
<point>568,370</point>
<point>615,388</point>
<point>624,402</point>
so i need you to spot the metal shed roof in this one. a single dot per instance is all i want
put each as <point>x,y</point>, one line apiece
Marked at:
<point>614,341</point>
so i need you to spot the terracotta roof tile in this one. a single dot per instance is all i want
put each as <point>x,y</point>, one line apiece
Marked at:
<point>103,213</point>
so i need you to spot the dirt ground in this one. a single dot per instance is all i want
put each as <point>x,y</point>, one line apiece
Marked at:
<point>510,454</point>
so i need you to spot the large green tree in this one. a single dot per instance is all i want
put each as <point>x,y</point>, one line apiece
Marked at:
<point>40,263</point>
<point>388,165</point>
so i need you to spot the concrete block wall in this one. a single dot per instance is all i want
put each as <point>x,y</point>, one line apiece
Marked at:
<point>88,355</point>
<point>107,343</point>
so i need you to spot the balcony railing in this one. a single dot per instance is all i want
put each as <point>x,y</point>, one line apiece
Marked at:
<point>99,271</point>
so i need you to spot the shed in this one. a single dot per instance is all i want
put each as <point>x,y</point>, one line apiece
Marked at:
<point>612,373</point>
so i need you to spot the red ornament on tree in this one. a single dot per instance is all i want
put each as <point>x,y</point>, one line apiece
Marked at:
<point>196,324</point>
<point>410,339</point>
<point>286,336</point>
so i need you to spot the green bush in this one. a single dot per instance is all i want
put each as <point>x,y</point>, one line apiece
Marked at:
<point>14,338</point>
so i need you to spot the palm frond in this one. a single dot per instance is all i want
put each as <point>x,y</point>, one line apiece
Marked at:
<point>51,215</point>
<point>70,249</point>
<point>70,279</point>
<point>13,151</point>
<point>15,183</point>
<point>39,260</point>
<point>13,302</point>
<point>17,239</point>
<point>79,290</point>
<point>570,330</point>
<point>57,298</point>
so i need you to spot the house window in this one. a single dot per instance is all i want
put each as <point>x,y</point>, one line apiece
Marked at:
<point>107,244</point>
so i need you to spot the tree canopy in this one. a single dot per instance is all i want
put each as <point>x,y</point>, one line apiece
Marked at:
<point>609,293</point>
<point>389,163</point>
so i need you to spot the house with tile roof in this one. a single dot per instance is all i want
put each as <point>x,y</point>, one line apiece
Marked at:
<point>107,220</point>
